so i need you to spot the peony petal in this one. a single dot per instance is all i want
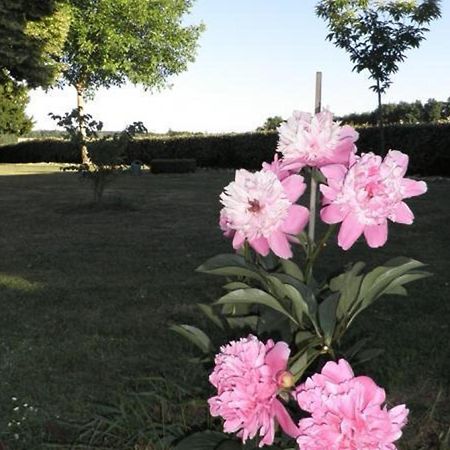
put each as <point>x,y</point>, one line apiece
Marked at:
<point>412,188</point>
<point>277,357</point>
<point>280,245</point>
<point>334,171</point>
<point>296,220</point>
<point>260,245</point>
<point>294,187</point>
<point>371,393</point>
<point>333,214</point>
<point>329,194</point>
<point>238,240</point>
<point>338,372</point>
<point>285,420</point>
<point>376,235</point>
<point>351,229</point>
<point>342,152</point>
<point>400,159</point>
<point>402,214</point>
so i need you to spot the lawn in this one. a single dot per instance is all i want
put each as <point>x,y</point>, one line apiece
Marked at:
<point>87,293</point>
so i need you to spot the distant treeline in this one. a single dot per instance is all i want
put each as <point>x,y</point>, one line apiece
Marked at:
<point>404,113</point>
<point>59,134</point>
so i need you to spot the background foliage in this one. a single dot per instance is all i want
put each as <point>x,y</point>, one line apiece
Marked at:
<point>428,146</point>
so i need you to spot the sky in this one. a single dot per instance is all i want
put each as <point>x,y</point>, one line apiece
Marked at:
<point>256,59</point>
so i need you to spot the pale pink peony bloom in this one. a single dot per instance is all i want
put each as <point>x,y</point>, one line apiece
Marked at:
<point>314,141</point>
<point>261,209</point>
<point>248,375</point>
<point>367,194</point>
<point>347,412</point>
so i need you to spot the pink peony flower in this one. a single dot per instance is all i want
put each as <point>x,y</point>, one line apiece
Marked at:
<point>347,412</point>
<point>367,194</point>
<point>261,209</point>
<point>248,375</point>
<point>315,141</point>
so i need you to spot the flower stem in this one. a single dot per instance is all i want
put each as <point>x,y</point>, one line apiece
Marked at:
<point>312,209</point>
<point>316,252</point>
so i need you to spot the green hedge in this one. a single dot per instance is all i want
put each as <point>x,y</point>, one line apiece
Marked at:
<point>46,150</point>
<point>173,165</point>
<point>428,146</point>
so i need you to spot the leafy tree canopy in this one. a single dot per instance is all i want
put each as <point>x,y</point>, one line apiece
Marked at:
<point>32,34</point>
<point>377,33</point>
<point>271,124</point>
<point>110,41</point>
<point>13,101</point>
<point>408,113</point>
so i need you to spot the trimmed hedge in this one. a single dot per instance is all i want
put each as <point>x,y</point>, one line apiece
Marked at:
<point>173,165</point>
<point>428,146</point>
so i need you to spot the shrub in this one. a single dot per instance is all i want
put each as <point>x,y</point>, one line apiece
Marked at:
<point>173,165</point>
<point>48,150</point>
<point>428,146</point>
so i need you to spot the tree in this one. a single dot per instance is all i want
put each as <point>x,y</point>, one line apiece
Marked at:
<point>433,110</point>
<point>13,101</point>
<point>111,41</point>
<point>377,34</point>
<point>271,124</point>
<point>32,34</point>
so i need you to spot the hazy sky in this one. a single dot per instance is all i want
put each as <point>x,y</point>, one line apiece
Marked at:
<point>258,58</point>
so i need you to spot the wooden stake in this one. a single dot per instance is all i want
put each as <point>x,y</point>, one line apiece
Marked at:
<point>313,193</point>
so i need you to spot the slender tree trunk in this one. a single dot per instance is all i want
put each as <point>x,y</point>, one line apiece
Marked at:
<point>81,125</point>
<point>380,119</point>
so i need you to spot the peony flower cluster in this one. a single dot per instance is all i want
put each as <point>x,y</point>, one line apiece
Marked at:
<point>363,192</point>
<point>347,412</point>
<point>248,375</point>
<point>365,195</point>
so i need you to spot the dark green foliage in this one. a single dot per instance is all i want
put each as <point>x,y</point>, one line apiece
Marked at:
<point>13,101</point>
<point>271,124</point>
<point>220,151</point>
<point>31,36</point>
<point>48,150</point>
<point>404,113</point>
<point>428,146</point>
<point>173,165</point>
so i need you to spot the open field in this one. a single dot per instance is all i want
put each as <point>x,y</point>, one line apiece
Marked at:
<point>86,294</point>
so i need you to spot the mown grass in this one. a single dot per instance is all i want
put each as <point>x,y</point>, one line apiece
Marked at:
<point>86,293</point>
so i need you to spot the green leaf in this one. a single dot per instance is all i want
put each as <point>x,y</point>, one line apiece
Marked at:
<point>306,294</point>
<point>203,440</point>
<point>235,285</point>
<point>298,302</point>
<point>229,445</point>
<point>348,284</point>
<point>243,322</point>
<point>195,335</point>
<point>377,282</point>
<point>327,316</point>
<point>291,269</point>
<point>298,365</point>
<point>208,311</point>
<point>254,296</point>
<point>230,265</point>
